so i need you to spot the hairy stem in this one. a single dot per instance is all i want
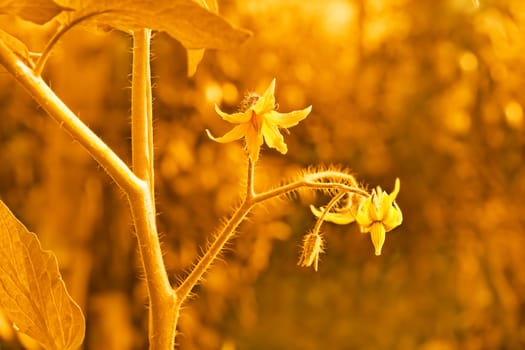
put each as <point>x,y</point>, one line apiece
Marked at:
<point>213,251</point>
<point>250,191</point>
<point>301,183</point>
<point>163,313</point>
<point>215,248</point>
<point>327,209</point>
<point>313,181</point>
<point>141,111</point>
<point>54,106</point>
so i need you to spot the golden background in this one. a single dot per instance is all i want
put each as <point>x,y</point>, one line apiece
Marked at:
<point>427,91</point>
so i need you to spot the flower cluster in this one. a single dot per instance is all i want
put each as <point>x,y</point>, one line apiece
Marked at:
<point>377,214</point>
<point>258,122</point>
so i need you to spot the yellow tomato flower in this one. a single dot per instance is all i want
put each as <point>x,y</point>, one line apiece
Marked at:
<point>259,123</point>
<point>379,214</point>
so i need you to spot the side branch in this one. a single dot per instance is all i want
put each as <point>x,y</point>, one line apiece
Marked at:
<point>215,248</point>
<point>294,186</point>
<point>184,289</point>
<point>314,181</point>
<point>54,106</point>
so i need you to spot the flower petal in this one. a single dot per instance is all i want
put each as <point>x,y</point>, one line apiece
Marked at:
<point>235,118</point>
<point>273,137</point>
<point>394,218</point>
<point>254,140</point>
<point>363,213</point>
<point>377,233</point>
<point>267,101</point>
<point>342,218</point>
<point>234,134</point>
<point>287,120</point>
<point>394,193</point>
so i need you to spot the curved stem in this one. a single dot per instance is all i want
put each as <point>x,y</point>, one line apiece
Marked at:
<point>54,106</point>
<point>326,210</point>
<point>296,185</point>
<point>39,66</point>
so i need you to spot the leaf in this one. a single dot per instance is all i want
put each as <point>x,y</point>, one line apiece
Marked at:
<point>32,292</point>
<point>37,11</point>
<point>193,25</point>
<point>194,56</point>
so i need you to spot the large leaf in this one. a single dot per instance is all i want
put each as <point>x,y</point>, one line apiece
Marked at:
<point>194,56</point>
<point>32,292</point>
<point>195,26</point>
<point>37,11</point>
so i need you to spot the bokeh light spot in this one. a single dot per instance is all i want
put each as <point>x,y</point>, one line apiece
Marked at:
<point>458,122</point>
<point>468,61</point>
<point>338,16</point>
<point>230,94</point>
<point>213,93</point>
<point>514,115</point>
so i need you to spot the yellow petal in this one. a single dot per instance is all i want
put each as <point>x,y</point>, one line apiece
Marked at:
<point>384,207</point>
<point>267,101</point>
<point>394,218</point>
<point>287,120</point>
<point>377,233</point>
<point>363,213</point>
<point>273,137</point>
<point>254,140</point>
<point>394,193</point>
<point>234,134</point>
<point>342,218</point>
<point>235,118</point>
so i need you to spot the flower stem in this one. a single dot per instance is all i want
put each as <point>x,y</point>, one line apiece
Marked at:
<point>250,191</point>
<point>163,313</point>
<point>213,251</point>
<point>308,183</point>
<point>252,199</point>
<point>215,248</point>
<point>326,210</point>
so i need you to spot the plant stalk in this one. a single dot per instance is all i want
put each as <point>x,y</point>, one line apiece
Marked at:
<point>163,314</point>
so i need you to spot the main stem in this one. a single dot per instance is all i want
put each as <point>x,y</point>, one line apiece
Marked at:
<point>163,313</point>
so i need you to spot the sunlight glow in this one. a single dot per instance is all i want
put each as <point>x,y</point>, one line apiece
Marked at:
<point>338,17</point>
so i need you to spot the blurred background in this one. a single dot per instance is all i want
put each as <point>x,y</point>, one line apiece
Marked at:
<point>428,91</point>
